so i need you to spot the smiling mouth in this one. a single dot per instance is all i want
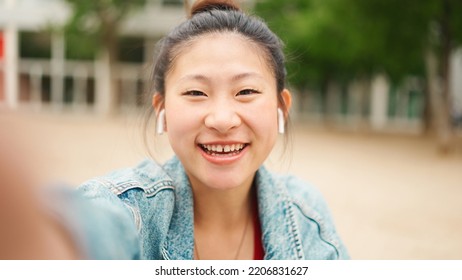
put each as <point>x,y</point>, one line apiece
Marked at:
<point>223,150</point>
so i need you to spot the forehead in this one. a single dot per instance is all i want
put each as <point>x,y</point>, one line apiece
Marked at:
<point>220,52</point>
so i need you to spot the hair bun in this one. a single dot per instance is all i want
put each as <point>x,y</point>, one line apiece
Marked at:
<point>200,6</point>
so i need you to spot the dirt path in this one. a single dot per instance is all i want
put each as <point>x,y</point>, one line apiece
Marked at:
<point>392,196</point>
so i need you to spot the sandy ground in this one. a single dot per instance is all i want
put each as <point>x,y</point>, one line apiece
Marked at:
<point>392,197</point>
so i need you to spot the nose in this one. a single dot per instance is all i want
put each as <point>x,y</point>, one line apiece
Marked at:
<point>222,117</point>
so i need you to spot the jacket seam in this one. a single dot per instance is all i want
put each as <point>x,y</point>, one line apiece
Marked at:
<point>295,232</point>
<point>136,216</point>
<point>120,188</point>
<point>321,229</point>
<point>165,254</point>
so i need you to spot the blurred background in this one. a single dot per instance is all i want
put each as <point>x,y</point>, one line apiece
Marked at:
<point>376,121</point>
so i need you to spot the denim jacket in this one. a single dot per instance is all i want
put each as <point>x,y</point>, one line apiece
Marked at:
<point>146,212</point>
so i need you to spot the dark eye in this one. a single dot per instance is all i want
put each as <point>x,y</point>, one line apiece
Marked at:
<point>248,92</point>
<point>195,93</point>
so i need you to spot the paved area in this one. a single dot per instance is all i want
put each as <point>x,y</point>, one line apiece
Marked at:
<point>392,196</point>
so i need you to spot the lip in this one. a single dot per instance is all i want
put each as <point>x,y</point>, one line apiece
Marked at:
<point>223,160</point>
<point>222,143</point>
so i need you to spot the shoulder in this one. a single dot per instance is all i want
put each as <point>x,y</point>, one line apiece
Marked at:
<point>120,205</point>
<point>148,177</point>
<point>308,199</point>
<point>304,195</point>
<point>108,211</point>
<point>134,189</point>
<point>313,215</point>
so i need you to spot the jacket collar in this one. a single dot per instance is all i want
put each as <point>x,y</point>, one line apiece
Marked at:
<point>280,234</point>
<point>180,238</point>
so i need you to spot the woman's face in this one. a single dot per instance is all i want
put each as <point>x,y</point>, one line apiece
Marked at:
<point>221,110</point>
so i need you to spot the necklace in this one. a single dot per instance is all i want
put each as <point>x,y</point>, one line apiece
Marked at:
<point>238,248</point>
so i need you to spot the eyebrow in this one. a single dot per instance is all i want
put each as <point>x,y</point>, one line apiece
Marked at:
<point>246,75</point>
<point>237,77</point>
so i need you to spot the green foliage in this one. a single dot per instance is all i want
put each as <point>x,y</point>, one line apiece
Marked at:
<point>342,39</point>
<point>80,46</point>
<point>94,23</point>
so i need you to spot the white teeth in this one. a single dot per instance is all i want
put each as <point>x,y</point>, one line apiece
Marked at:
<point>223,148</point>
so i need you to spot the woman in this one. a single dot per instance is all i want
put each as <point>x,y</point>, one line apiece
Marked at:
<point>219,95</point>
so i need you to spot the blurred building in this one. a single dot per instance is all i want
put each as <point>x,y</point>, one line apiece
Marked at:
<point>38,72</point>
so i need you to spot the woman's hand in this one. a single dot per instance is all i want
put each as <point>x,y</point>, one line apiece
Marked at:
<point>27,231</point>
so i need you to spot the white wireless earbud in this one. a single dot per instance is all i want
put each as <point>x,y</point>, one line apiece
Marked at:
<point>281,121</point>
<point>160,122</point>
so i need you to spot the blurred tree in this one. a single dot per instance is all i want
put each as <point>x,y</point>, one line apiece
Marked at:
<point>420,37</point>
<point>319,44</point>
<point>100,21</point>
<point>343,39</point>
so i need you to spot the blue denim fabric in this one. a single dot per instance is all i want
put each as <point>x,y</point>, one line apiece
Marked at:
<point>146,212</point>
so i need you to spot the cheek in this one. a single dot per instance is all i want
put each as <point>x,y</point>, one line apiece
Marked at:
<point>265,124</point>
<point>182,123</point>
<point>262,118</point>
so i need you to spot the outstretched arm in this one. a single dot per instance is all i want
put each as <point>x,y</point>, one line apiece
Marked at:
<point>27,231</point>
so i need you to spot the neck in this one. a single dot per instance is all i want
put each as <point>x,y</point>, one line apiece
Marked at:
<point>222,208</point>
<point>223,223</point>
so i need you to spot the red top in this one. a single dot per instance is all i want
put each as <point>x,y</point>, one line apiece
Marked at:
<point>258,251</point>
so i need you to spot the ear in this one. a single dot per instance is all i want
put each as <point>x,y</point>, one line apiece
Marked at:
<point>157,102</point>
<point>287,99</point>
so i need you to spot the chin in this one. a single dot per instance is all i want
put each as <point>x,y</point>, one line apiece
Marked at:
<point>224,182</point>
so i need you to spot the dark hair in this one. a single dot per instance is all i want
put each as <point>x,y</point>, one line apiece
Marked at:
<point>218,16</point>
<point>211,16</point>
